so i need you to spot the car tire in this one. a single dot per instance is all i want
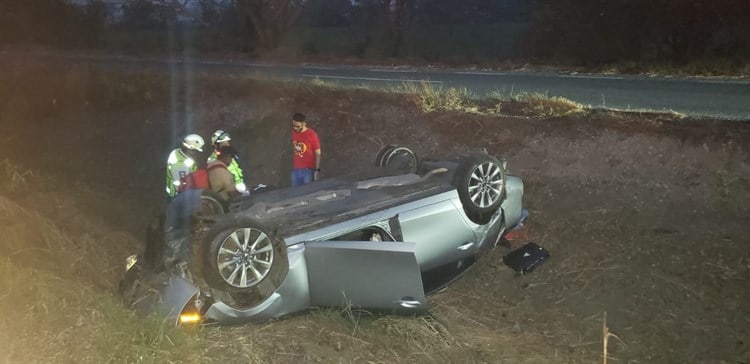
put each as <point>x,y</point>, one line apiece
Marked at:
<point>212,204</point>
<point>401,159</point>
<point>398,158</point>
<point>238,246</point>
<point>480,181</point>
<point>382,154</point>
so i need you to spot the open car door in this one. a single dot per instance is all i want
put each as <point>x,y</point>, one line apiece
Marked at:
<point>376,275</point>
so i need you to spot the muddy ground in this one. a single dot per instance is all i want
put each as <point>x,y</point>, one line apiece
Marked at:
<point>645,216</point>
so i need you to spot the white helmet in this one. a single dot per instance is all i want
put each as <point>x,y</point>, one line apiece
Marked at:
<point>194,142</point>
<point>220,136</point>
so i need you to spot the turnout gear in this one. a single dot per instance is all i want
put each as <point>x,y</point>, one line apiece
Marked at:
<point>221,136</point>
<point>236,170</point>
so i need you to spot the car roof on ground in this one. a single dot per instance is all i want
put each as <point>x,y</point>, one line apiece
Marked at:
<point>295,210</point>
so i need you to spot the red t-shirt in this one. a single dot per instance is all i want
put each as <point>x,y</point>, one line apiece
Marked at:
<point>305,144</point>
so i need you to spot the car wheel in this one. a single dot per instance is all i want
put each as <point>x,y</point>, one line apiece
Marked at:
<point>379,159</point>
<point>212,204</point>
<point>245,260</point>
<point>401,159</point>
<point>480,181</point>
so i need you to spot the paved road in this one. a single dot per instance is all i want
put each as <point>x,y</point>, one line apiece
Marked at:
<point>718,98</point>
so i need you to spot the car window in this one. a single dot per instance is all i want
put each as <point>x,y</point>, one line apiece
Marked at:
<point>370,233</point>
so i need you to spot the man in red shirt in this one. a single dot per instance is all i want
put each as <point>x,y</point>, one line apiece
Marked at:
<point>306,159</point>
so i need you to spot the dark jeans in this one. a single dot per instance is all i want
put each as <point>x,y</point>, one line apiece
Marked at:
<point>182,207</point>
<point>301,176</point>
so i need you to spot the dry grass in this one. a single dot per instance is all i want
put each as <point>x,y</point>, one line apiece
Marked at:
<point>539,105</point>
<point>52,310</point>
<point>13,177</point>
<point>432,98</point>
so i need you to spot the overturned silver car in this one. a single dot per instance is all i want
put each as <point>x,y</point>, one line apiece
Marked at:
<point>379,240</point>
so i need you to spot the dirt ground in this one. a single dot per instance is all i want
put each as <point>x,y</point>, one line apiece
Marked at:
<point>645,216</point>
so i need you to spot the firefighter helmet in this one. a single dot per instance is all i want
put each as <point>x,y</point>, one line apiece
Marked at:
<point>220,136</point>
<point>193,142</point>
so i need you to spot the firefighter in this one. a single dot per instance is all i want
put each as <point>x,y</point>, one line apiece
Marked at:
<point>219,139</point>
<point>182,162</point>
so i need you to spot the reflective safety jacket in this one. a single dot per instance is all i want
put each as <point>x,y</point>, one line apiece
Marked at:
<point>179,165</point>
<point>234,167</point>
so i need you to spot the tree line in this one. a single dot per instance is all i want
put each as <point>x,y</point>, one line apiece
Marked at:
<point>589,32</point>
<point>674,31</point>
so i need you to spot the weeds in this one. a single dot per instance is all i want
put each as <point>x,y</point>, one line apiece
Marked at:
<point>322,83</point>
<point>540,105</point>
<point>437,98</point>
<point>433,98</point>
<point>52,312</point>
<point>13,177</point>
<point>49,318</point>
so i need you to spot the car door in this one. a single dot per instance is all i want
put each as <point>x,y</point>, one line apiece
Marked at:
<point>442,234</point>
<point>376,275</point>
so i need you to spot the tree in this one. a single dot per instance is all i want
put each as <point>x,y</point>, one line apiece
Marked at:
<point>327,13</point>
<point>268,20</point>
<point>51,22</point>
<point>673,31</point>
<point>147,14</point>
<point>388,17</point>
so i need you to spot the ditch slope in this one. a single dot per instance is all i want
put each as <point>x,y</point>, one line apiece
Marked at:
<point>645,215</point>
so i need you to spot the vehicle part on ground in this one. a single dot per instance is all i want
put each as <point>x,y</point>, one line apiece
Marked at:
<point>480,181</point>
<point>401,159</point>
<point>211,204</point>
<point>380,158</point>
<point>526,258</point>
<point>242,256</point>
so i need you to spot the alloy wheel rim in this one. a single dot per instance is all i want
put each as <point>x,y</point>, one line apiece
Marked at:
<point>245,257</point>
<point>485,184</point>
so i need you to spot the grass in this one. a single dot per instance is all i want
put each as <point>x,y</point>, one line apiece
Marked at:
<point>74,89</point>
<point>53,307</point>
<point>53,311</point>
<point>432,98</point>
<point>539,105</point>
<point>699,68</point>
<point>12,177</point>
<point>49,318</point>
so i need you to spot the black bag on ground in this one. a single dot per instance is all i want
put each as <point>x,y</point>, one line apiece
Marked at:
<point>526,258</point>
